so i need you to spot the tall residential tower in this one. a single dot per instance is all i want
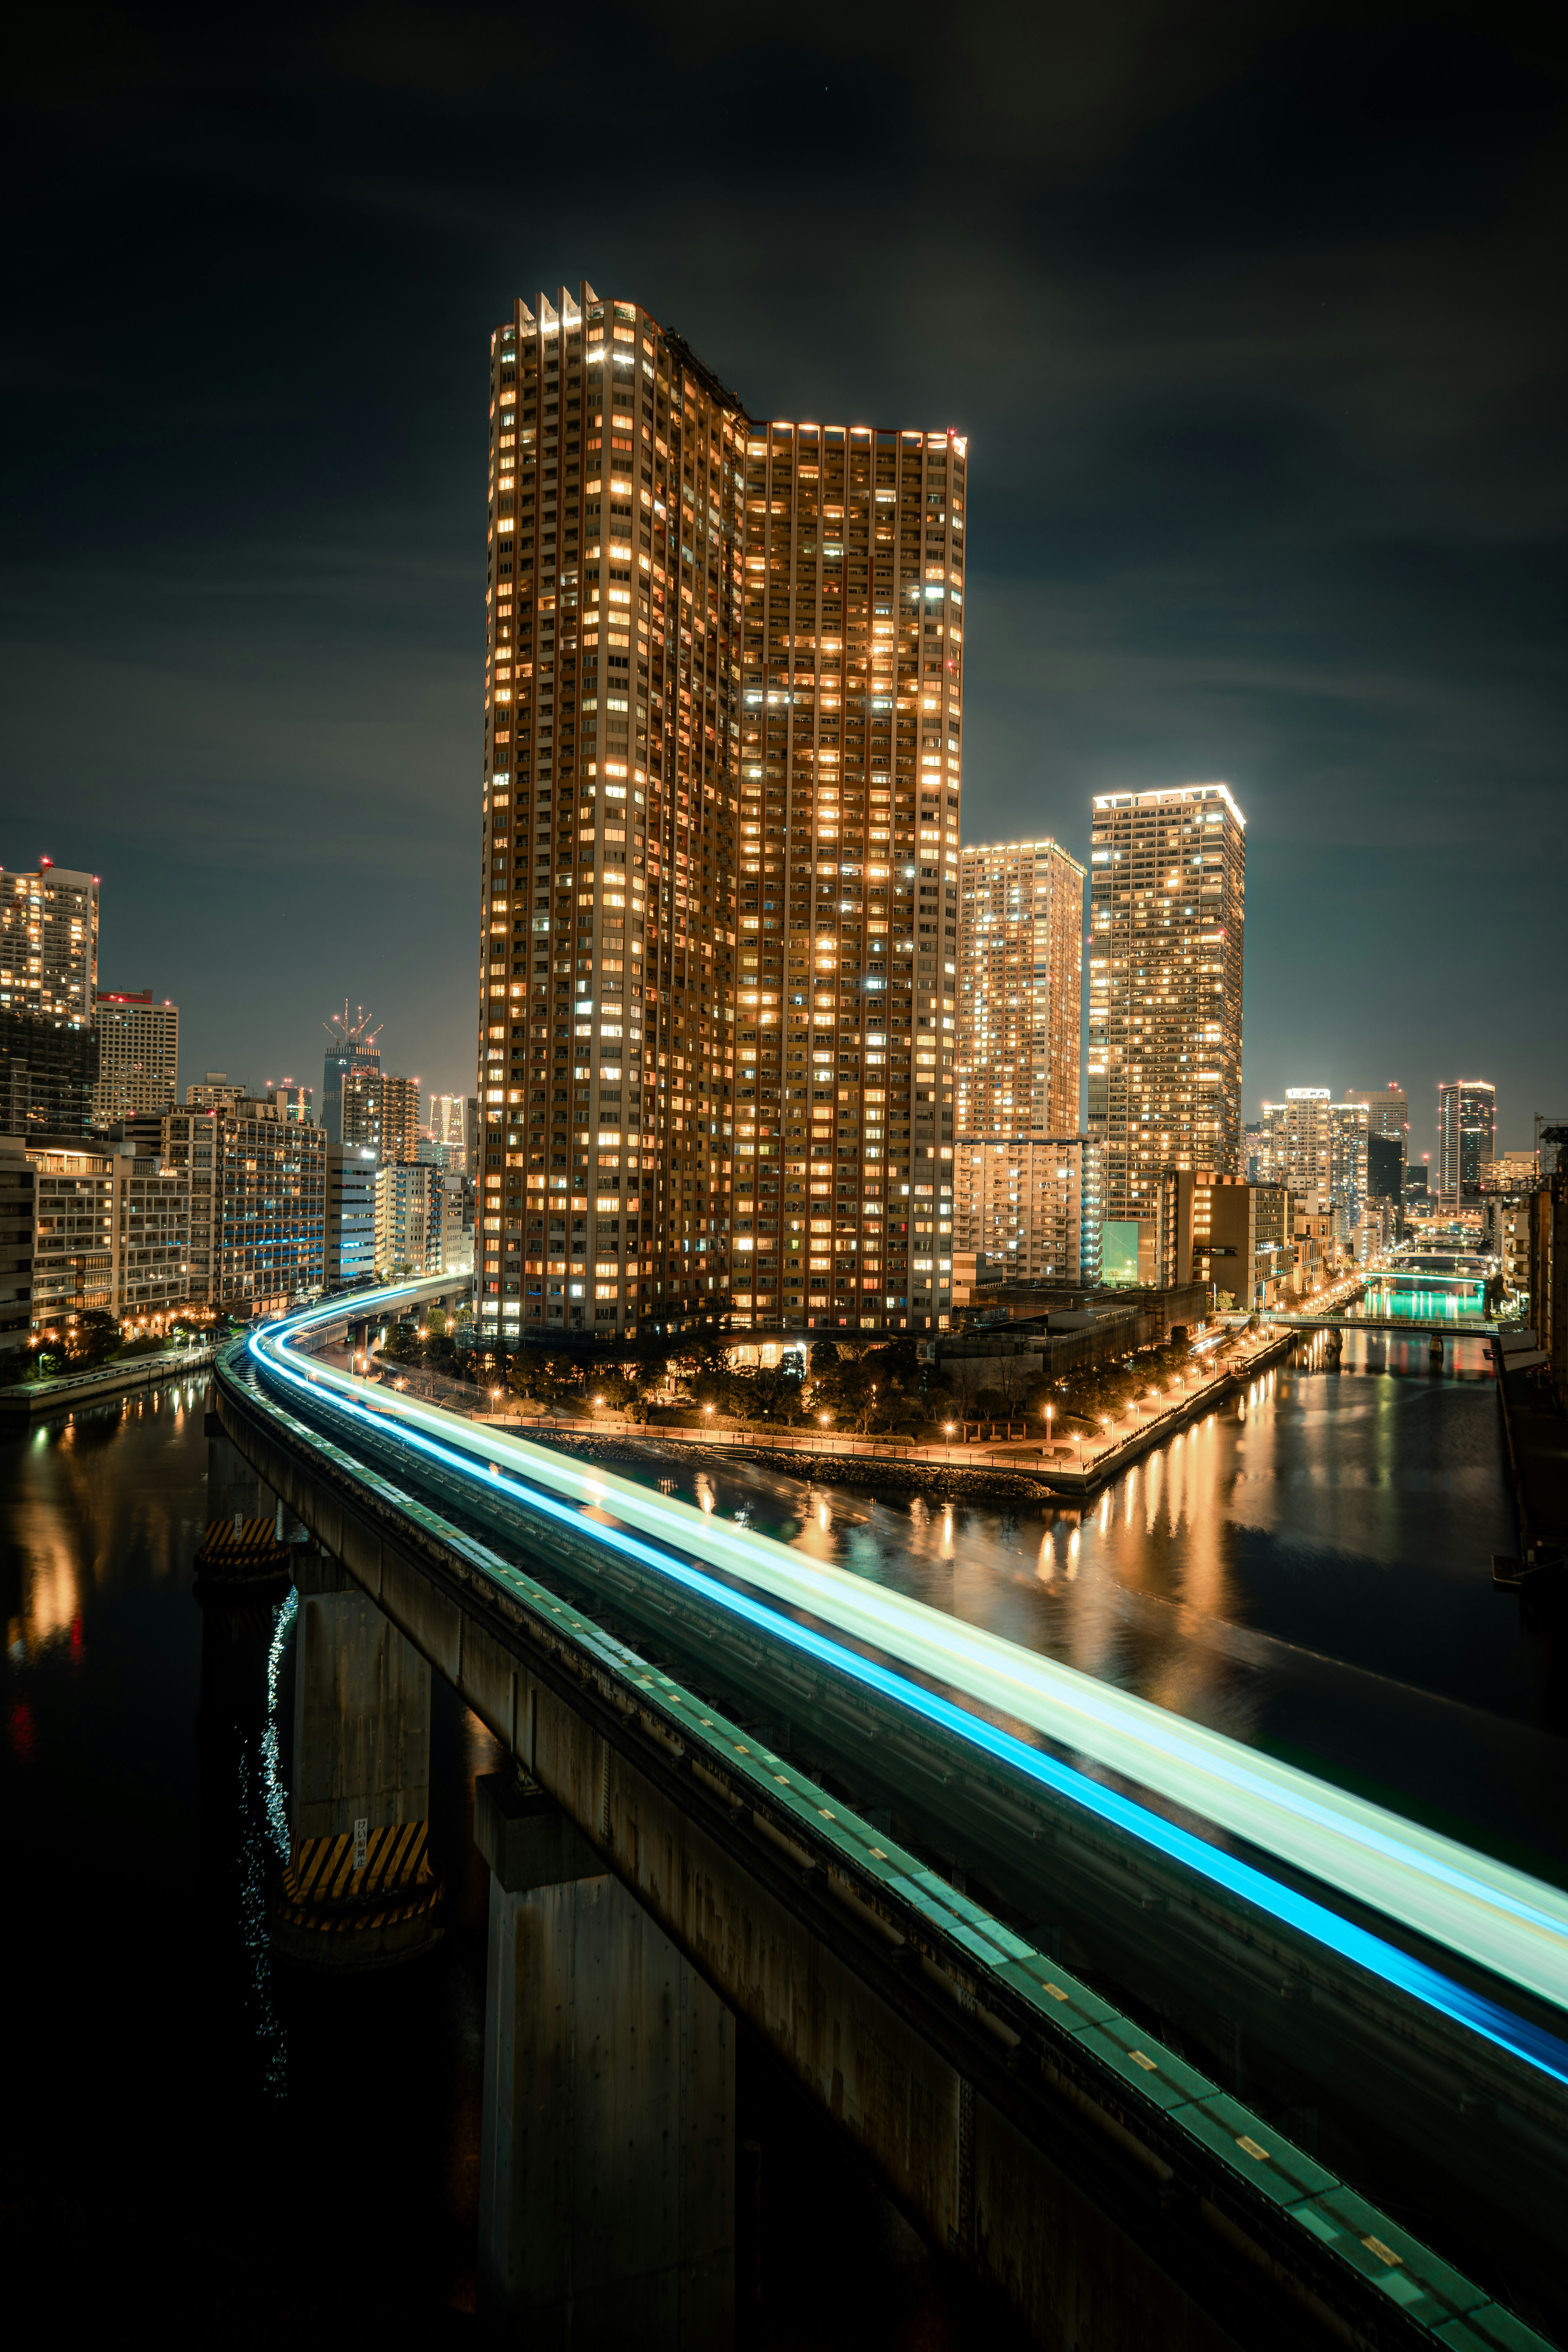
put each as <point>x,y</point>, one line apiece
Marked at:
<point>137,1056</point>
<point>851,777</point>
<point>1467,1134</point>
<point>1167,898</point>
<point>1020,991</point>
<point>719,922</point>
<point>49,943</point>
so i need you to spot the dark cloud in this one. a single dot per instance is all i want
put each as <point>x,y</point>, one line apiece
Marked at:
<point>1252,316</point>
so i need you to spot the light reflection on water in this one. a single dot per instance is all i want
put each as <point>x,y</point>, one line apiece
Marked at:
<point>1306,1569</point>
<point>1401,1302</point>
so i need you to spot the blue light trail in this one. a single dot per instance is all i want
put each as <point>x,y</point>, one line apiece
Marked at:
<point>1512,1925</point>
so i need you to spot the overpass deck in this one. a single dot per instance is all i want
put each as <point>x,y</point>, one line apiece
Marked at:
<point>1448,1326</point>
<point>1428,1956</point>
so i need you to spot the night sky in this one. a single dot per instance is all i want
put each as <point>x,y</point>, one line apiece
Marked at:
<point>1253,318</point>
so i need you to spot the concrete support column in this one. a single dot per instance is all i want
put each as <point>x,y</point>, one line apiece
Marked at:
<point>234,1490</point>
<point>606,2181</point>
<point>359,1891</point>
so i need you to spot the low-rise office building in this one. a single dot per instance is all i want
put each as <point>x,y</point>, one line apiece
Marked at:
<point>1237,1235</point>
<point>350,1215</point>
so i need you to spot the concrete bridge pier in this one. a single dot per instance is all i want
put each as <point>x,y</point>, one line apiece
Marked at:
<point>235,1491</point>
<point>359,1891</point>
<point>608,2155</point>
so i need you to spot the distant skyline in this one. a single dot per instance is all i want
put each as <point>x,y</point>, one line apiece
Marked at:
<point>1242,318</point>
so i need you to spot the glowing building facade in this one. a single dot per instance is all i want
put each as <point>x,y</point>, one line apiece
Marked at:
<point>851,781</point>
<point>1467,1136</point>
<point>49,943</point>
<point>1030,1204</point>
<point>1167,903</point>
<point>137,1056</point>
<point>719,918</point>
<point>1020,990</point>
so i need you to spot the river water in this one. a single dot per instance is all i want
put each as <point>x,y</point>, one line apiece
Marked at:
<point>1307,1570</point>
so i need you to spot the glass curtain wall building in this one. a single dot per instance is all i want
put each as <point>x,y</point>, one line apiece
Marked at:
<point>1466,1135</point>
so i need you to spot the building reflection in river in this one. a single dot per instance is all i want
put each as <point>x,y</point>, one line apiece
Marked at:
<point>1307,1569</point>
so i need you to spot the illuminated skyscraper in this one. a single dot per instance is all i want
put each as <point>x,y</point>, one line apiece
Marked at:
<point>447,1121</point>
<point>1020,990</point>
<point>1387,1109</point>
<point>1167,900</point>
<point>49,943</point>
<point>851,777</point>
<point>351,1080</point>
<point>399,1118</point>
<point>1467,1134</point>
<point>137,1056</point>
<point>1300,1145</point>
<point>606,1046</point>
<point>631,1167</point>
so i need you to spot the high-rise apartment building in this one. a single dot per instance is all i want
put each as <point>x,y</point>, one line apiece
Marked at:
<point>137,1056</point>
<point>1020,990</point>
<point>1467,1134</point>
<point>606,1048</point>
<point>269,1209</point>
<point>49,943</point>
<point>1167,901</point>
<point>640,1009</point>
<point>399,1117</point>
<point>1317,1147</point>
<point>410,1219</point>
<point>76,1254</point>
<point>1031,1204</point>
<point>851,779</point>
<point>364,1092</point>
